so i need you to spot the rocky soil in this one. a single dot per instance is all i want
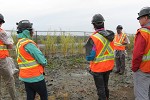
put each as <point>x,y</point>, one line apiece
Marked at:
<point>67,78</point>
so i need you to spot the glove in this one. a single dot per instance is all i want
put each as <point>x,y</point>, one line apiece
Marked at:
<point>91,56</point>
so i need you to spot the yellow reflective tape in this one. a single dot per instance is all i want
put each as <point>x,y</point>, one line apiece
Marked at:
<point>106,47</point>
<point>103,41</point>
<point>122,38</point>
<point>25,63</point>
<point>117,44</point>
<point>31,62</point>
<point>26,67</point>
<point>146,58</point>
<point>145,30</point>
<point>104,58</point>
<point>28,64</point>
<point>22,58</point>
<point>100,37</point>
<point>17,49</point>
<point>3,47</point>
<point>110,50</point>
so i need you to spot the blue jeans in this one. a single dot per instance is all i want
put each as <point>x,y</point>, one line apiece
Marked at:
<point>36,87</point>
<point>101,82</point>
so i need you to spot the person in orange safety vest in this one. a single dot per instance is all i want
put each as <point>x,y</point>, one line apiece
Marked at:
<point>120,41</point>
<point>31,62</point>
<point>5,68</point>
<point>100,53</point>
<point>141,57</point>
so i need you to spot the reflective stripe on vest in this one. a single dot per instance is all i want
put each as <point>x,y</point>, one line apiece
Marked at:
<point>3,47</point>
<point>17,49</point>
<point>25,63</point>
<point>101,57</point>
<point>145,30</point>
<point>122,38</point>
<point>29,64</point>
<point>119,43</point>
<point>3,50</point>
<point>146,57</point>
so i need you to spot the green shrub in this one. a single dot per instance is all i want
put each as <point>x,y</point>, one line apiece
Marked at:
<point>131,45</point>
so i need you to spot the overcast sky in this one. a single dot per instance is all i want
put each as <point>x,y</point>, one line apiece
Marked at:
<point>72,15</point>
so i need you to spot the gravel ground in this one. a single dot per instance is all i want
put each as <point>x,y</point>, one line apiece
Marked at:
<point>68,79</point>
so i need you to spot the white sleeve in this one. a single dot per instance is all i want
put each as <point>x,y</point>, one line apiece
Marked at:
<point>127,40</point>
<point>5,38</point>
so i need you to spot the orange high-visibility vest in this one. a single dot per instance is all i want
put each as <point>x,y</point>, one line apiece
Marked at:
<point>104,60</point>
<point>118,40</point>
<point>29,67</point>
<point>145,64</point>
<point>3,49</point>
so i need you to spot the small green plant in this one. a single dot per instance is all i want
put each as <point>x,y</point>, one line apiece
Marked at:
<point>50,44</point>
<point>64,42</point>
<point>72,45</point>
<point>53,44</point>
<point>80,46</point>
<point>131,45</point>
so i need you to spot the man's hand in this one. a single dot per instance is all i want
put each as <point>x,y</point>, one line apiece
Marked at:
<point>124,43</point>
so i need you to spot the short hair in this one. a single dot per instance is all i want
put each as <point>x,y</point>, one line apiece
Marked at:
<point>1,22</point>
